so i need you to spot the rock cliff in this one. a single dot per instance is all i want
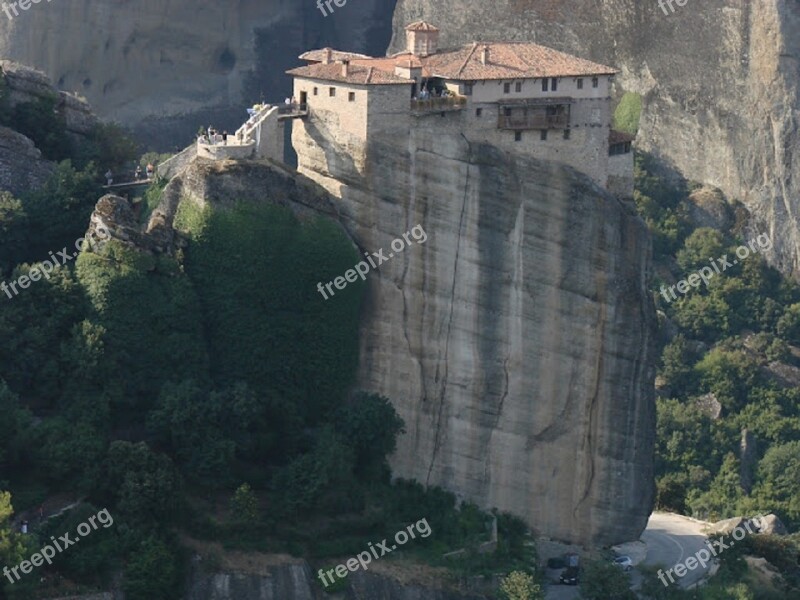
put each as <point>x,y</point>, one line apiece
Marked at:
<point>165,64</point>
<point>25,84</point>
<point>720,81</point>
<point>21,165</point>
<point>517,341</point>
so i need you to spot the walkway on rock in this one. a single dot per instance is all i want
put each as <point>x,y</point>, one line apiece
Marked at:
<point>128,184</point>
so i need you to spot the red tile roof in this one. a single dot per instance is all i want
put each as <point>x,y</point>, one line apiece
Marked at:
<point>357,74</point>
<point>421,26</point>
<point>319,55</point>
<point>509,60</point>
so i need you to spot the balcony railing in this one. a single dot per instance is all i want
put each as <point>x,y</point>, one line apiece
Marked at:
<point>439,104</point>
<point>535,121</point>
<point>292,110</point>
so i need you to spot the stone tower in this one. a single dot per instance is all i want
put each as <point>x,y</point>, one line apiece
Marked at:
<point>422,39</point>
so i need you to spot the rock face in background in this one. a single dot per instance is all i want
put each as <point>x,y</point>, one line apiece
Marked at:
<point>167,66</point>
<point>720,80</point>
<point>517,341</point>
<point>29,85</point>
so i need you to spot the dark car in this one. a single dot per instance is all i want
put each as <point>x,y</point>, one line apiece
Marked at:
<point>570,576</point>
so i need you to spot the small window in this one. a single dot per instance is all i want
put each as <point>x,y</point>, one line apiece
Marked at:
<point>595,82</point>
<point>478,112</point>
<point>554,84</point>
<point>316,91</point>
<point>332,92</point>
<point>580,83</point>
<point>566,134</point>
<point>468,89</point>
<point>545,83</point>
<point>517,136</point>
<point>518,86</point>
<point>506,88</point>
<point>543,135</point>
<point>351,96</point>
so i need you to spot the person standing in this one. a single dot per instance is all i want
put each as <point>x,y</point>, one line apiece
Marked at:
<point>151,170</point>
<point>225,137</point>
<point>109,177</point>
<point>138,173</point>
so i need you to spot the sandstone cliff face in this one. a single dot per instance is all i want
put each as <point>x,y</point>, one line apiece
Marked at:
<point>720,80</point>
<point>517,341</point>
<point>140,61</point>
<point>29,85</point>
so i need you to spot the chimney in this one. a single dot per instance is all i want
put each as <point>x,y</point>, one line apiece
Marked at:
<point>328,56</point>
<point>345,68</point>
<point>485,55</point>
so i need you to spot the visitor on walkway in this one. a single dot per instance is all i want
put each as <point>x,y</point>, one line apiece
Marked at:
<point>109,177</point>
<point>151,170</point>
<point>138,172</point>
<point>225,137</point>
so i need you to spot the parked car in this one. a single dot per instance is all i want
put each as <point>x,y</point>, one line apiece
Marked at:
<point>570,576</point>
<point>624,561</point>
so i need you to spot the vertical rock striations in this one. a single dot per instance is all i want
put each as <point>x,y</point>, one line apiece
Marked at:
<point>720,80</point>
<point>517,341</point>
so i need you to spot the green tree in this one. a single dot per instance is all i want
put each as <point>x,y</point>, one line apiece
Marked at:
<point>518,585</point>
<point>602,580</point>
<point>723,497</point>
<point>703,244</point>
<point>779,481</point>
<point>13,231</point>
<point>788,325</point>
<point>152,572</point>
<point>244,505</point>
<point>12,546</point>
<point>44,124</point>
<point>59,212</point>
<point>628,113</point>
<point>730,374</point>
<point>142,484</point>
<point>109,145</point>
<point>327,469</point>
<point>677,362</point>
<point>370,425</point>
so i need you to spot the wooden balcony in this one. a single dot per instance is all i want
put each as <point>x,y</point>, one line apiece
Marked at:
<point>430,105</point>
<point>532,121</point>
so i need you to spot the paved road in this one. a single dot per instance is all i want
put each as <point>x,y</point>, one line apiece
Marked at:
<point>671,539</point>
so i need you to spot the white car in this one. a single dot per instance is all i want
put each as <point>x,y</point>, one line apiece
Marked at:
<point>624,561</point>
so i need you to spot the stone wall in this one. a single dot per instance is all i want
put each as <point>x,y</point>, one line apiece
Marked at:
<point>620,175</point>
